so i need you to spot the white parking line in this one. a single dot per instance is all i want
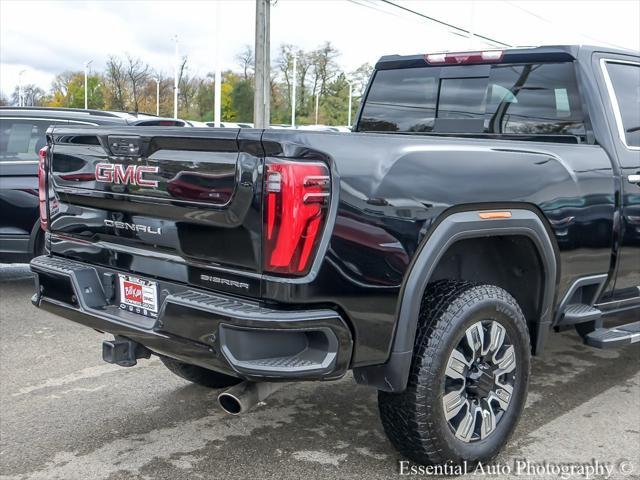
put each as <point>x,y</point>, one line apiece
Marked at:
<point>85,373</point>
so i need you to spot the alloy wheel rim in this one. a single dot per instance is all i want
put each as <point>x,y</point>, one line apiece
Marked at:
<point>479,381</point>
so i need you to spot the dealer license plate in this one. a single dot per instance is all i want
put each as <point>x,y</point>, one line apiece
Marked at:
<point>138,295</point>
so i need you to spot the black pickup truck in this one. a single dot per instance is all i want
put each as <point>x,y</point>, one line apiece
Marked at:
<point>484,200</point>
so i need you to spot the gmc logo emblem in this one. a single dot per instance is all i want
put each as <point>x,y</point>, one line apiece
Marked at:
<point>129,175</point>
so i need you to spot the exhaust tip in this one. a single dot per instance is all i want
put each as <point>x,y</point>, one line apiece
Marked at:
<point>229,403</point>
<point>244,396</point>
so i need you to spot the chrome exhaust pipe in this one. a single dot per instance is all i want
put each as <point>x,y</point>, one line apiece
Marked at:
<point>246,395</point>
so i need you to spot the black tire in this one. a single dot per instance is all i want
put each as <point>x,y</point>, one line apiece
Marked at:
<point>199,375</point>
<point>414,420</point>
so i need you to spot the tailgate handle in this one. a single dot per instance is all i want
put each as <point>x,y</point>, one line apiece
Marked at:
<point>125,146</point>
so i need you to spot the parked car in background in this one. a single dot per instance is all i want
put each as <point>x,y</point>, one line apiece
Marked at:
<point>230,124</point>
<point>22,135</point>
<point>223,124</point>
<point>324,128</point>
<point>196,124</point>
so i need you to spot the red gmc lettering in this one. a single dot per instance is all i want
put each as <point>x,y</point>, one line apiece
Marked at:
<point>124,175</point>
<point>104,172</point>
<point>129,175</point>
<point>143,182</point>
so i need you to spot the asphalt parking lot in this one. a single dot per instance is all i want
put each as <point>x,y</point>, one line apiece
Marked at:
<point>64,414</point>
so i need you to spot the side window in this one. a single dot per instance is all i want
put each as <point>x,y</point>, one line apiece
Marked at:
<point>21,139</point>
<point>534,99</point>
<point>521,99</point>
<point>625,80</point>
<point>401,100</point>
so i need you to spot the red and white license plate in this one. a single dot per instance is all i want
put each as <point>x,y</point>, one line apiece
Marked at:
<point>138,295</point>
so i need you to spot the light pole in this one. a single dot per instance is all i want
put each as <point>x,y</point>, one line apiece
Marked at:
<point>157,96</point>
<point>317,105</point>
<point>20,100</point>
<point>175,80</point>
<point>350,97</point>
<point>261,99</point>
<point>293,92</point>
<point>217,98</point>
<point>86,90</point>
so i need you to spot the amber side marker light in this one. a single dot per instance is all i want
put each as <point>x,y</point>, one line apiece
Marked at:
<point>493,215</point>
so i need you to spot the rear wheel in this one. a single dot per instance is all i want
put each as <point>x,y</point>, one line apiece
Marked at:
<point>199,375</point>
<point>468,379</point>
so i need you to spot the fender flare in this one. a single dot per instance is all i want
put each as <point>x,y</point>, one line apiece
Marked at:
<point>393,375</point>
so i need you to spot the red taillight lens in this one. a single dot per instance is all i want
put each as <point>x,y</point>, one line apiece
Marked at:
<point>464,57</point>
<point>42,193</point>
<point>296,201</point>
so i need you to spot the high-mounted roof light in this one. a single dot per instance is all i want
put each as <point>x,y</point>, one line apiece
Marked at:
<point>464,57</point>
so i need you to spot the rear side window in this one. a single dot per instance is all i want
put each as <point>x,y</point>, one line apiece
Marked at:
<point>625,80</point>
<point>402,100</point>
<point>21,139</point>
<point>523,99</point>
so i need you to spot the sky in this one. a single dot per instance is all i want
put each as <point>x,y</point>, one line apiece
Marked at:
<point>44,38</point>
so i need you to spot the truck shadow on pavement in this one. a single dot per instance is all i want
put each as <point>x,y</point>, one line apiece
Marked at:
<point>143,422</point>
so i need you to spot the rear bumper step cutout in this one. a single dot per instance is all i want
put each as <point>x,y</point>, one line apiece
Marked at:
<point>231,335</point>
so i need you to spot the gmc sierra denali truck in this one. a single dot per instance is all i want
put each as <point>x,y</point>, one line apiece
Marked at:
<point>483,200</point>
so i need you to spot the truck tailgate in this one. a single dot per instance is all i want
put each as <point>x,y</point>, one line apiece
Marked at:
<point>157,201</point>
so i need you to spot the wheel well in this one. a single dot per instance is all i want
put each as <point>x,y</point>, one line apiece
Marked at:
<point>511,262</point>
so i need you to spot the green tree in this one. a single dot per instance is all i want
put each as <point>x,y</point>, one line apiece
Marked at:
<point>334,104</point>
<point>128,84</point>
<point>242,101</point>
<point>204,99</point>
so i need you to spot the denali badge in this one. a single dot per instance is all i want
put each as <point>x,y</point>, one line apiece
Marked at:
<point>134,227</point>
<point>129,175</point>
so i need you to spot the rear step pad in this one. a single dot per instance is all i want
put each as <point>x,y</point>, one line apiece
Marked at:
<point>579,312</point>
<point>614,337</point>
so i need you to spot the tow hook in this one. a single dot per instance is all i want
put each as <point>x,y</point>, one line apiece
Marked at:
<point>123,351</point>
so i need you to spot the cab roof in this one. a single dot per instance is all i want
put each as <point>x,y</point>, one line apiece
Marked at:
<point>550,53</point>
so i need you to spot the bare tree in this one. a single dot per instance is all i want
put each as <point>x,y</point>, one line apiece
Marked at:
<point>61,87</point>
<point>185,88</point>
<point>325,67</point>
<point>182,69</point>
<point>32,96</point>
<point>304,65</point>
<point>246,60</point>
<point>116,76</point>
<point>360,78</point>
<point>284,64</point>
<point>137,74</point>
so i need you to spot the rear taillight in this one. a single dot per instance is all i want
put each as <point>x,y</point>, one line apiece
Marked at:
<point>296,202</point>
<point>42,192</point>
<point>464,57</point>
